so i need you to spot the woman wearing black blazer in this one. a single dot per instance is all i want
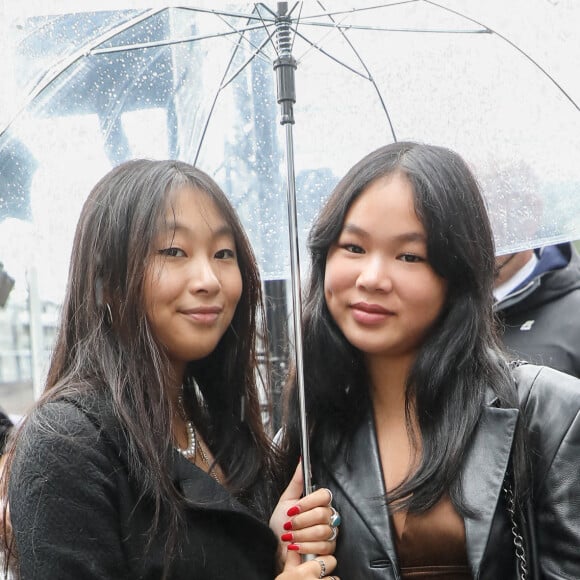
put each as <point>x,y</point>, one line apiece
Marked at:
<point>146,456</point>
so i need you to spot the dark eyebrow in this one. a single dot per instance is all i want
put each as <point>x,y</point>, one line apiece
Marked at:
<point>177,226</point>
<point>404,237</point>
<point>352,229</point>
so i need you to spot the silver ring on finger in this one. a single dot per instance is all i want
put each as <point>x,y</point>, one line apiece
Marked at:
<point>335,518</point>
<point>334,534</point>
<point>331,497</point>
<point>322,568</point>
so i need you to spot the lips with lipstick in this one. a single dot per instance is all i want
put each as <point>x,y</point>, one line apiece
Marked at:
<point>366,313</point>
<point>203,314</point>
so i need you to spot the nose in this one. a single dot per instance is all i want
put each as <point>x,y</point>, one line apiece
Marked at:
<point>204,277</point>
<point>375,276</point>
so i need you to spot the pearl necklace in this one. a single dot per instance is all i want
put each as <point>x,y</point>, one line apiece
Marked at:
<point>190,452</point>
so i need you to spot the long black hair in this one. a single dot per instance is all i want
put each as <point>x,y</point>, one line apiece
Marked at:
<point>105,342</point>
<point>459,359</point>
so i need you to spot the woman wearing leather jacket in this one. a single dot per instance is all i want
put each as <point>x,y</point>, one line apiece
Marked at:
<point>444,459</point>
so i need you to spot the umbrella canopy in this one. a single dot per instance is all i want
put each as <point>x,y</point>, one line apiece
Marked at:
<point>93,88</point>
<point>88,85</point>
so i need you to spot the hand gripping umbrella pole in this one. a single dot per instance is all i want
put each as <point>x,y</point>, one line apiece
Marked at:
<point>285,65</point>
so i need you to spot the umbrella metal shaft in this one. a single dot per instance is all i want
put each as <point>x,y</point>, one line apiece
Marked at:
<point>285,66</point>
<point>297,306</point>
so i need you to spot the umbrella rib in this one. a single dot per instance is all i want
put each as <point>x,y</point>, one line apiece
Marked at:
<point>60,67</point>
<point>158,43</point>
<point>215,98</point>
<point>513,45</point>
<point>244,65</point>
<point>247,16</point>
<point>317,45</point>
<point>294,8</point>
<point>257,51</point>
<point>385,29</point>
<point>369,76</point>
<point>305,20</point>
<point>262,5</point>
<point>134,79</point>
<point>363,9</point>
<point>264,22</point>
<point>330,56</point>
<point>298,20</point>
<point>240,32</point>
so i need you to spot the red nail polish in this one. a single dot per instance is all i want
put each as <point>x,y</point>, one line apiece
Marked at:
<point>288,526</point>
<point>294,547</point>
<point>287,537</point>
<point>293,511</point>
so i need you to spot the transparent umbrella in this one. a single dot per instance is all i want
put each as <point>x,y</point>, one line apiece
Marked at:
<point>87,89</point>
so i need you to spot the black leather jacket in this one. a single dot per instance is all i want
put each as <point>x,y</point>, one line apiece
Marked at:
<point>551,403</point>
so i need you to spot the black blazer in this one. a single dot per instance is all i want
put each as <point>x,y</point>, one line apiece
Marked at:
<point>551,402</point>
<point>77,514</point>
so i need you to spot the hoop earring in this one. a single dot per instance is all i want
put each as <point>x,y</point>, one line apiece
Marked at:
<point>108,314</point>
<point>242,408</point>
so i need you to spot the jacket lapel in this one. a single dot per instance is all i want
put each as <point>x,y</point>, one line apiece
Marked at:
<point>483,475</point>
<point>362,484</point>
<point>482,478</point>
<point>207,500</point>
<point>201,491</point>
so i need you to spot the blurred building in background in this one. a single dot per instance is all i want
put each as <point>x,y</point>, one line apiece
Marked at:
<point>17,351</point>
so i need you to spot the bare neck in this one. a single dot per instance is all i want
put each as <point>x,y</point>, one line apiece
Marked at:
<point>388,385</point>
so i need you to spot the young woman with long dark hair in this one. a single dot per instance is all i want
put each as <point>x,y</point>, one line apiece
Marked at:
<point>146,456</point>
<point>437,450</point>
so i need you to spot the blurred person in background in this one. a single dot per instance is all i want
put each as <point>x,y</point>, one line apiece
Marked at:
<point>536,291</point>
<point>6,426</point>
<point>537,296</point>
